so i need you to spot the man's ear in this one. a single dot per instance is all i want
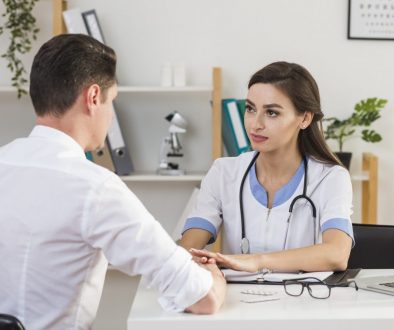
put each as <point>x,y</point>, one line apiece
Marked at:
<point>93,98</point>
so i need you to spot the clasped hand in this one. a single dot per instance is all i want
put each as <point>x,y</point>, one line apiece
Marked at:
<point>241,262</point>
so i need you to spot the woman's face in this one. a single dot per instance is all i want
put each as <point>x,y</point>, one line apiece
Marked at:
<point>271,120</point>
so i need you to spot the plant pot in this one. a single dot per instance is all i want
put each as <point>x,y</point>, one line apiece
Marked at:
<point>345,158</point>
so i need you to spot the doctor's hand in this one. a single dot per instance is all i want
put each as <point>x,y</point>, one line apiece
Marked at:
<point>242,262</point>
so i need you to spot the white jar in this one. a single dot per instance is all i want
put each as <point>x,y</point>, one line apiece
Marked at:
<point>179,75</point>
<point>166,75</point>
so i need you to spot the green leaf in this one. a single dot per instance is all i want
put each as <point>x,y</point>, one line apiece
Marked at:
<point>20,24</point>
<point>365,113</point>
<point>371,136</point>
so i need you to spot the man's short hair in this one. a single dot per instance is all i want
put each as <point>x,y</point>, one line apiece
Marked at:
<point>64,66</point>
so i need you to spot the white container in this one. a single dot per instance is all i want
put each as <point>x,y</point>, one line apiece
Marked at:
<point>179,75</point>
<point>166,75</point>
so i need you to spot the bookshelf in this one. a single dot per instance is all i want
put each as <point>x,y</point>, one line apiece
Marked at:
<point>215,89</point>
<point>141,111</point>
<point>209,93</point>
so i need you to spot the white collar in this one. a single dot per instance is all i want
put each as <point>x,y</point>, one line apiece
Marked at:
<point>46,132</point>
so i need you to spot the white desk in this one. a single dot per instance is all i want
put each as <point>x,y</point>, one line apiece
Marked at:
<point>345,309</point>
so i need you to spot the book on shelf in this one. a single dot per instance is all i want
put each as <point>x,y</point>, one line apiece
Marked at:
<point>233,132</point>
<point>89,155</point>
<point>74,21</point>
<point>103,157</point>
<point>92,25</point>
<point>241,103</point>
<point>119,152</point>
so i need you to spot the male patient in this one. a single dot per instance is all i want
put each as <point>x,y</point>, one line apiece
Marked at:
<point>63,217</point>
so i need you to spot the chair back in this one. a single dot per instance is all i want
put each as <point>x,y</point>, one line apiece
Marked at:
<point>9,322</point>
<point>374,247</point>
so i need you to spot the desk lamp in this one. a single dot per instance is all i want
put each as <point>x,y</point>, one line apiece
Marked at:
<point>170,146</point>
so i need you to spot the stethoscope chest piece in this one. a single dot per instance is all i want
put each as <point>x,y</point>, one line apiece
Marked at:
<point>245,248</point>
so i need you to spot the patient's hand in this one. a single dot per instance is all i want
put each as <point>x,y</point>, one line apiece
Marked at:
<point>243,262</point>
<point>200,260</point>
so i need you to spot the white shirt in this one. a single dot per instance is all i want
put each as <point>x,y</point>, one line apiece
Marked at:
<point>329,187</point>
<point>61,218</point>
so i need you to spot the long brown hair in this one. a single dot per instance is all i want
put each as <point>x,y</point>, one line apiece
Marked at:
<point>298,84</point>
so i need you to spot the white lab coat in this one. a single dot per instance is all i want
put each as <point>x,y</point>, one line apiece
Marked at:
<point>218,206</point>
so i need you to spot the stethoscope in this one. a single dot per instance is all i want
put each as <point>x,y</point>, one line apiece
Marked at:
<point>245,246</point>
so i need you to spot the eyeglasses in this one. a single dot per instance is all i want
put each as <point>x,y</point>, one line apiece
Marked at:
<point>316,288</point>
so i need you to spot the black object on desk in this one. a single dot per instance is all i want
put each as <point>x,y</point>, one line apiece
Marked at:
<point>342,278</point>
<point>374,247</point>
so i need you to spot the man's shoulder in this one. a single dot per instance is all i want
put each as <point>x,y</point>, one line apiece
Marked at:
<point>88,170</point>
<point>6,149</point>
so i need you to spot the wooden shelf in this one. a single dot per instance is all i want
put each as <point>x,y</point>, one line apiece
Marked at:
<point>153,177</point>
<point>362,176</point>
<point>198,176</point>
<point>160,89</point>
<point>369,192</point>
<point>139,89</point>
<point>10,89</point>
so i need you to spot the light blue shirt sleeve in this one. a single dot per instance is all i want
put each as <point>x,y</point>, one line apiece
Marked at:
<point>341,224</point>
<point>201,223</point>
<point>207,211</point>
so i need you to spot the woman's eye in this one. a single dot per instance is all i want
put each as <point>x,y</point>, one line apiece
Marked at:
<point>272,113</point>
<point>248,108</point>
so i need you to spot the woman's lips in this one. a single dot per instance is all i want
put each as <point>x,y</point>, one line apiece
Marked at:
<point>258,138</point>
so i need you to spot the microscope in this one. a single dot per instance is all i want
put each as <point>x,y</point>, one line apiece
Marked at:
<point>171,147</point>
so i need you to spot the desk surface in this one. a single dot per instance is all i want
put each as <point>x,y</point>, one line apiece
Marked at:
<point>345,309</point>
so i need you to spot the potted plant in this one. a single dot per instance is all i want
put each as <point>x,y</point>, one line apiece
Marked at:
<point>22,28</point>
<point>364,114</point>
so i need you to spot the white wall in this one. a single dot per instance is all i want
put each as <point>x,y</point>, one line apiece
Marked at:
<point>241,37</point>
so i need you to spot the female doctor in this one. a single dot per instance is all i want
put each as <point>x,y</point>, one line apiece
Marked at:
<point>286,205</point>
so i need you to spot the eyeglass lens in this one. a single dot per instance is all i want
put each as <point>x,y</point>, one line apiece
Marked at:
<point>319,291</point>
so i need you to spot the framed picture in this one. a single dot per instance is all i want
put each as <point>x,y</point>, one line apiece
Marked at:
<point>93,25</point>
<point>371,19</point>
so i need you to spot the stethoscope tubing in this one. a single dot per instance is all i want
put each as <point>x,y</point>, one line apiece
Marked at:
<point>245,245</point>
